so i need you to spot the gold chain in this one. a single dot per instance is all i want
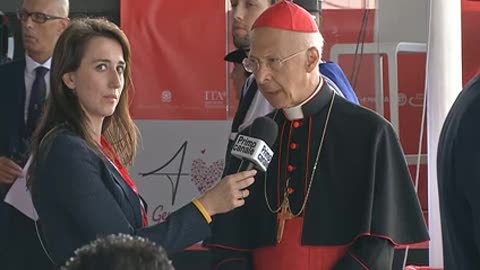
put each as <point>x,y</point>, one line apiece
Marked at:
<point>312,176</point>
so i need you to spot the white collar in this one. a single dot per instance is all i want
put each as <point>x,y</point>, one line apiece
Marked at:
<point>296,112</point>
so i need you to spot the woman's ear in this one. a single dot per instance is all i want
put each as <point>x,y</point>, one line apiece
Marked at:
<point>69,80</point>
<point>313,58</point>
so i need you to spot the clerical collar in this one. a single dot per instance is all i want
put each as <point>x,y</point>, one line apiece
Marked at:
<point>312,105</point>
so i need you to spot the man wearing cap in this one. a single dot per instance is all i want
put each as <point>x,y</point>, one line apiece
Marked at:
<point>238,74</point>
<point>252,103</point>
<point>338,193</point>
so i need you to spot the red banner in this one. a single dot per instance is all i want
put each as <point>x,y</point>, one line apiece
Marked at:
<point>178,49</point>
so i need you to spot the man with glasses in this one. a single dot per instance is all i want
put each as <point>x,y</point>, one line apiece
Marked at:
<point>338,193</point>
<point>25,86</point>
<point>252,103</point>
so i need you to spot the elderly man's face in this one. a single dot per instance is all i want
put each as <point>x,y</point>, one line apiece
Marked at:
<point>282,76</point>
<point>244,13</point>
<point>39,38</point>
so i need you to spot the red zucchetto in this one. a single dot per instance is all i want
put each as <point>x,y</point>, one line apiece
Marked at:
<point>287,16</point>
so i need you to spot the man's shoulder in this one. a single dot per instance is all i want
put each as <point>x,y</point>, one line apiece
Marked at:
<point>10,75</point>
<point>469,97</point>
<point>12,78</point>
<point>12,67</point>
<point>359,115</point>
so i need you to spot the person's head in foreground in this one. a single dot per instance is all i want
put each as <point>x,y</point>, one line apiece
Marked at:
<point>119,252</point>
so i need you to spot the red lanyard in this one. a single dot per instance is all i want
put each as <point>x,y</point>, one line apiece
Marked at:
<point>110,153</point>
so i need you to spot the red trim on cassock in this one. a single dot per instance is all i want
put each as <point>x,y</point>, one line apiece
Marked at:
<point>197,247</point>
<point>307,163</point>
<point>227,261</point>
<point>384,237</point>
<point>421,245</point>
<point>279,162</point>
<point>227,247</point>
<point>358,261</point>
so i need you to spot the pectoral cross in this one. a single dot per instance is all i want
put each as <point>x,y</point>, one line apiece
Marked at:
<point>282,216</point>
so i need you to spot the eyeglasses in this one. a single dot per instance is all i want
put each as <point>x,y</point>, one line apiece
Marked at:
<point>253,64</point>
<point>37,17</point>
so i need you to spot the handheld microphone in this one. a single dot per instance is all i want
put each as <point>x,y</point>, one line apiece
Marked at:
<point>256,148</point>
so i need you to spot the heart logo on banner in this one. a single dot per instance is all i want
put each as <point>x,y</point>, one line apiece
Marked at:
<point>204,176</point>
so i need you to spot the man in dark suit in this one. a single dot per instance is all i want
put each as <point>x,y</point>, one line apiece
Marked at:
<point>459,180</point>
<point>24,87</point>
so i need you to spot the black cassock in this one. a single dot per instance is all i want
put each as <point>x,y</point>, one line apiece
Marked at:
<point>458,170</point>
<point>361,196</point>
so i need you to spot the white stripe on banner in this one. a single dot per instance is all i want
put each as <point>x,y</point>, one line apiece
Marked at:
<point>444,82</point>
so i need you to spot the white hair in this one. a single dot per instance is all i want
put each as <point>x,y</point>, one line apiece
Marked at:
<point>309,40</point>
<point>62,5</point>
<point>316,40</point>
<point>65,7</point>
<point>295,40</point>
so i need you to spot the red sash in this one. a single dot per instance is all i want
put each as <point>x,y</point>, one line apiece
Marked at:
<point>291,254</point>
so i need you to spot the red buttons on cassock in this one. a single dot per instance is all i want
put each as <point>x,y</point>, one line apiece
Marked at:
<point>290,168</point>
<point>290,190</point>
<point>293,146</point>
<point>296,124</point>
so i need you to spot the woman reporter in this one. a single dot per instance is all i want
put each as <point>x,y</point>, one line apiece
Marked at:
<point>80,187</point>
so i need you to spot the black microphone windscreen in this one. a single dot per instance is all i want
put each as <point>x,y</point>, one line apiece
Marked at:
<point>265,129</point>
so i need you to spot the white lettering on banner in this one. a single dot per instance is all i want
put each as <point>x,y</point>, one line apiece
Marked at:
<point>215,99</point>
<point>166,96</point>
<point>416,101</point>
<point>214,95</point>
<point>403,100</point>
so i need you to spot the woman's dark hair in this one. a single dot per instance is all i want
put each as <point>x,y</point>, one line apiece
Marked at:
<point>63,107</point>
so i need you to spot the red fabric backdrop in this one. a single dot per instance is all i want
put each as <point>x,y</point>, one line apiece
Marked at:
<point>178,49</point>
